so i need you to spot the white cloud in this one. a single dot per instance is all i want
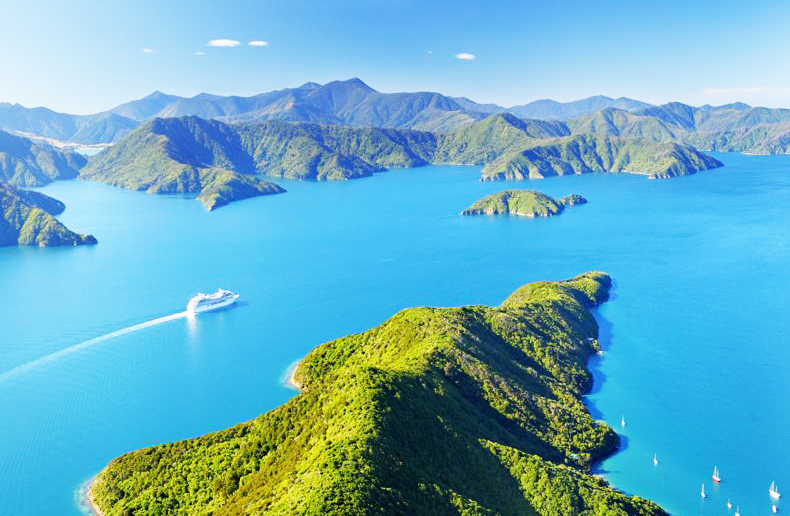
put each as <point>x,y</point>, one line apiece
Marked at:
<point>149,51</point>
<point>744,91</point>
<point>463,56</point>
<point>224,43</point>
<point>200,53</point>
<point>258,43</point>
<point>430,51</point>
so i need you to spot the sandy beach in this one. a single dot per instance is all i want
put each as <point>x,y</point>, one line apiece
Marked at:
<point>291,377</point>
<point>89,498</point>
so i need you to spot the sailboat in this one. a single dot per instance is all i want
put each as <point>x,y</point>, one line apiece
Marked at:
<point>715,476</point>
<point>655,460</point>
<point>737,511</point>
<point>773,509</point>
<point>702,493</point>
<point>729,504</point>
<point>774,491</point>
<point>622,422</point>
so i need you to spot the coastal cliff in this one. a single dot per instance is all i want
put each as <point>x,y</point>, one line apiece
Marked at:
<point>472,410</point>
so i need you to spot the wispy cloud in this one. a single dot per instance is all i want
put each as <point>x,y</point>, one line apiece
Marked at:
<point>200,53</point>
<point>149,51</point>
<point>228,43</point>
<point>745,91</point>
<point>258,43</point>
<point>464,56</point>
<point>430,52</point>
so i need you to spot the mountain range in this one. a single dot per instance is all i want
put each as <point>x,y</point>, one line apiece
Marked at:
<point>733,127</point>
<point>349,102</point>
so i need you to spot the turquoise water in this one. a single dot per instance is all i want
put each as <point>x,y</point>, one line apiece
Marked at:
<point>696,333</point>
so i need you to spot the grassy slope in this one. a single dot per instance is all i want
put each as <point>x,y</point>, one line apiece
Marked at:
<point>26,218</point>
<point>472,410</point>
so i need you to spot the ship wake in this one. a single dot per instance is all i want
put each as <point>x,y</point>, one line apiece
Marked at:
<point>57,355</point>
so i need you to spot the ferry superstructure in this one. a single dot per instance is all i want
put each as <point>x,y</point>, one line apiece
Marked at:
<point>206,302</point>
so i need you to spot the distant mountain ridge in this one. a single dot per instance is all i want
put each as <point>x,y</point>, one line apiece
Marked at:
<point>351,102</point>
<point>347,102</point>
<point>552,110</point>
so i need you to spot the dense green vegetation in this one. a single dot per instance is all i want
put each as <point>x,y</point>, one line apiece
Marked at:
<point>24,163</point>
<point>522,203</point>
<point>734,127</point>
<point>169,155</point>
<point>220,187</point>
<point>27,218</point>
<point>587,153</point>
<point>469,411</point>
<point>487,140</point>
<point>187,155</point>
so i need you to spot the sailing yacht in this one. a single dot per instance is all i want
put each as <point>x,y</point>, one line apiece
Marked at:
<point>622,422</point>
<point>702,493</point>
<point>729,504</point>
<point>655,459</point>
<point>773,509</point>
<point>715,476</point>
<point>774,491</point>
<point>737,511</point>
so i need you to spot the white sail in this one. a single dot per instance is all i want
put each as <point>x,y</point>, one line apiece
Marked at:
<point>702,493</point>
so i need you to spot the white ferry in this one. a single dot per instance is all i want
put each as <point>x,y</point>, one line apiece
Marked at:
<point>205,302</point>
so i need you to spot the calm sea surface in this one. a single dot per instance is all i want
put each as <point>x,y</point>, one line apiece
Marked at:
<point>696,336</point>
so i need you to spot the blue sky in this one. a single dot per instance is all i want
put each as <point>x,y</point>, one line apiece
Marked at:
<point>87,56</point>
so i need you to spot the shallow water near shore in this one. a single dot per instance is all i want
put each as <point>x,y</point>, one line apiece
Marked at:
<point>95,361</point>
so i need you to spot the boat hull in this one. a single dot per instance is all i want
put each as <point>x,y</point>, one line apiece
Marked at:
<point>216,306</point>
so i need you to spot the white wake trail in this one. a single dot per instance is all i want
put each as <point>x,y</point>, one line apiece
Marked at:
<point>33,364</point>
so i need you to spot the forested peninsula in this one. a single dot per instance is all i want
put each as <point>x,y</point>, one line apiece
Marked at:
<point>28,218</point>
<point>472,410</point>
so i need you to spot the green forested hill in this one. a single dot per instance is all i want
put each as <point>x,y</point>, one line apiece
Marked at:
<point>24,163</point>
<point>168,155</point>
<point>27,218</point>
<point>188,155</point>
<point>587,153</point>
<point>523,203</point>
<point>438,411</point>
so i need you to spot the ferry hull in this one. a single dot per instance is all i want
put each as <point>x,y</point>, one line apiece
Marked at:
<point>210,308</point>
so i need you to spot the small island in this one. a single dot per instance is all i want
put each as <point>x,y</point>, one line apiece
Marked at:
<point>28,218</point>
<point>523,203</point>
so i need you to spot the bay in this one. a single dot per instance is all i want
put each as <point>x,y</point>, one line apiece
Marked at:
<point>695,335</point>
